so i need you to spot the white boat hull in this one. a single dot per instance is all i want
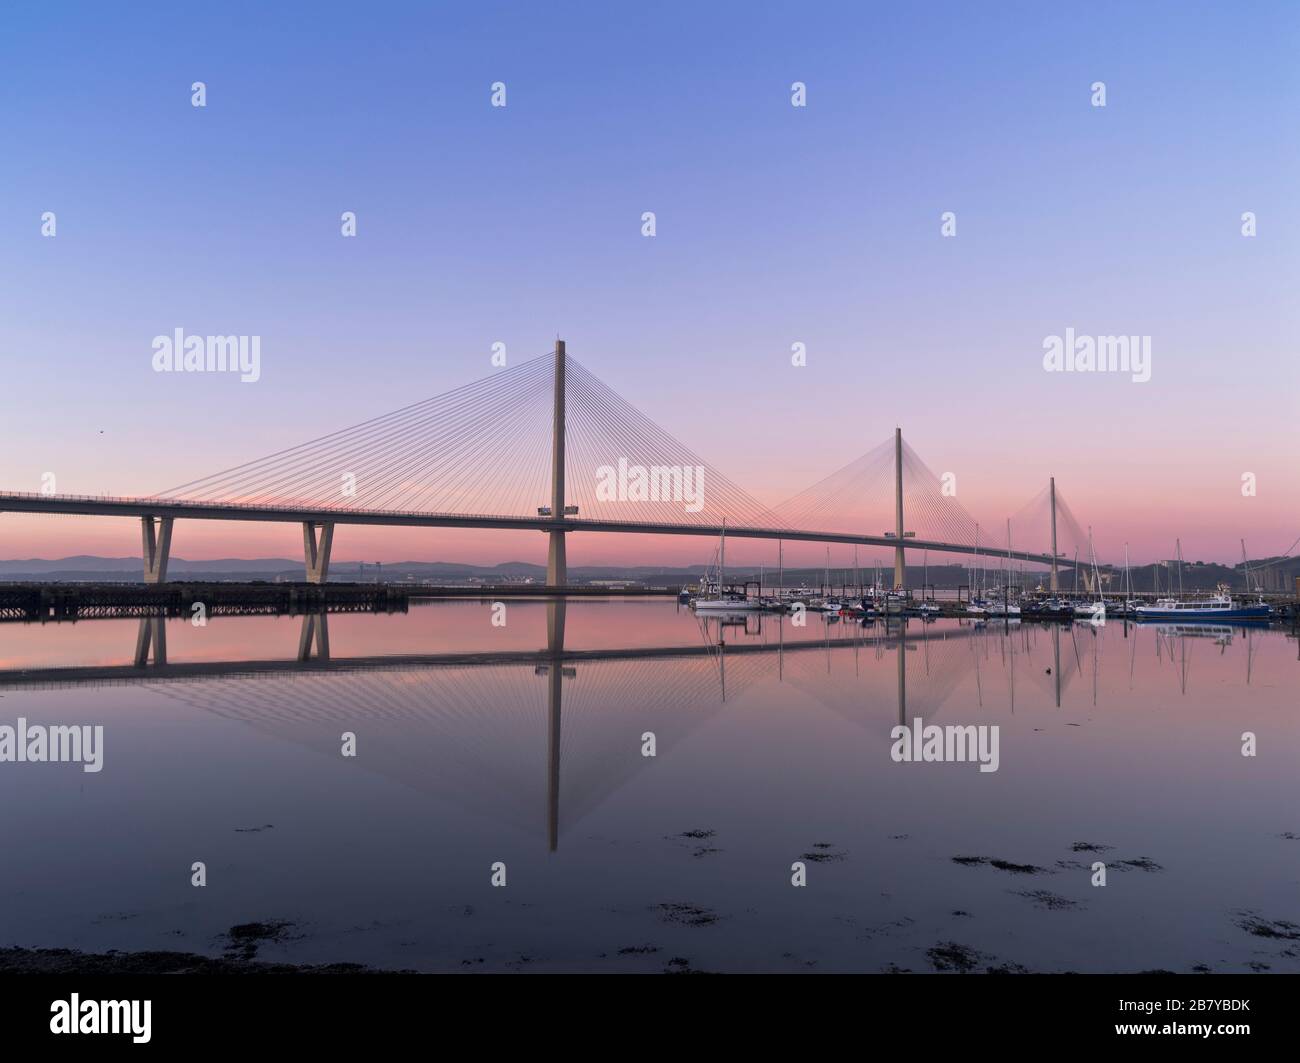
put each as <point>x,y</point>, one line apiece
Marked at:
<point>714,606</point>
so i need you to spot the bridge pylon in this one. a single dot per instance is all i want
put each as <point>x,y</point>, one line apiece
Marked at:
<point>557,568</point>
<point>900,562</point>
<point>1055,586</point>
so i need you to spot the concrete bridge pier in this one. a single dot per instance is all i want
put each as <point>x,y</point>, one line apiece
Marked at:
<point>316,551</point>
<point>156,536</point>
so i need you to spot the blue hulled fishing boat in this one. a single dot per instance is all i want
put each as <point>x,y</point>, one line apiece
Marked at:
<point>1218,607</point>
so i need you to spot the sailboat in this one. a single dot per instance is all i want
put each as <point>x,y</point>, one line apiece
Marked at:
<point>976,605</point>
<point>830,604</point>
<point>1002,606</point>
<point>1130,603</point>
<point>726,601</point>
<point>929,608</point>
<point>1093,612</point>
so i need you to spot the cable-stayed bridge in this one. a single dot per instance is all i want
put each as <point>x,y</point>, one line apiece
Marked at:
<point>547,446</point>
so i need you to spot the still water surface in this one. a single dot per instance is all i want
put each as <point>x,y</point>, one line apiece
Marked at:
<point>524,746</point>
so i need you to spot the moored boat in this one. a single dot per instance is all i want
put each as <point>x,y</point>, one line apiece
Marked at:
<point>725,601</point>
<point>727,604</point>
<point>1215,607</point>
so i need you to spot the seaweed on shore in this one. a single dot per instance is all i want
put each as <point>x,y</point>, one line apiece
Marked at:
<point>1053,902</point>
<point>1279,929</point>
<point>1001,865</point>
<point>681,914</point>
<point>953,957</point>
<point>73,961</point>
<point>245,939</point>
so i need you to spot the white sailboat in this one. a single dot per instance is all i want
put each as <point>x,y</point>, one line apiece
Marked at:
<point>976,605</point>
<point>1093,612</point>
<point>725,602</point>
<point>1003,606</point>
<point>1130,603</point>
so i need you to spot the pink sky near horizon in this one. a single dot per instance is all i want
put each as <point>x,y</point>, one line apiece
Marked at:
<point>1135,492</point>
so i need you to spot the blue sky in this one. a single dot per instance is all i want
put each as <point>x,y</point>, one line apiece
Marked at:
<point>775,225</point>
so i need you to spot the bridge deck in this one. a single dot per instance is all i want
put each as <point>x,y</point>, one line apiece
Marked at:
<point>101,506</point>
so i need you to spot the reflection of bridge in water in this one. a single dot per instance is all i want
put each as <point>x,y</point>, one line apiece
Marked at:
<point>466,727</point>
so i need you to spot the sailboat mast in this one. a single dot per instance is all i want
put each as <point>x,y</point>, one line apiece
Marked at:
<point>1006,594</point>
<point>1092,559</point>
<point>722,557</point>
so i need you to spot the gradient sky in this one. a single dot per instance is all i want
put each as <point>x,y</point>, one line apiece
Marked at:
<point>775,225</point>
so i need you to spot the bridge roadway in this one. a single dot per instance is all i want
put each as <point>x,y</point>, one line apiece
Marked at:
<point>102,506</point>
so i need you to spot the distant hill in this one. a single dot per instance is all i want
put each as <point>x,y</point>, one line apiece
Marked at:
<point>1272,574</point>
<point>87,563</point>
<point>83,568</point>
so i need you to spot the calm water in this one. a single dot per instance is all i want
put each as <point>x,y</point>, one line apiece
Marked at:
<point>1116,745</point>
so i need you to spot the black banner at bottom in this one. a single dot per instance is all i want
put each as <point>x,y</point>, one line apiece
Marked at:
<point>1158,1012</point>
